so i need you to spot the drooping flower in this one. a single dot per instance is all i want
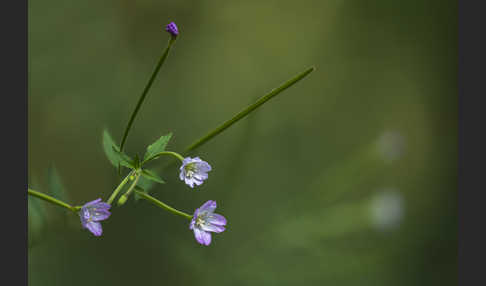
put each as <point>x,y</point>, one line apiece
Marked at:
<point>205,221</point>
<point>92,213</point>
<point>172,29</point>
<point>194,171</point>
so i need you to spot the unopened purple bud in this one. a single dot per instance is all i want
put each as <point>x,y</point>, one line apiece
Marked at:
<point>172,29</point>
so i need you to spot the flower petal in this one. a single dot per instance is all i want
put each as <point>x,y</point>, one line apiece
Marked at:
<point>104,205</point>
<point>189,182</point>
<point>186,161</point>
<point>84,215</point>
<point>213,228</point>
<point>198,182</point>
<point>193,221</point>
<point>208,206</point>
<point>202,237</point>
<point>94,228</point>
<point>206,238</point>
<point>99,215</point>
<point>92,202</point>
<point>201,176</point>
<point>198,235</point>
<point>203,167</point>
<point>216,219</point>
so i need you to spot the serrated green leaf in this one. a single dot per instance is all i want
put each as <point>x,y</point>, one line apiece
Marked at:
<point>54,184</point>
<point>158,146</point>
<point>112,151</point>
<point>152,176</point>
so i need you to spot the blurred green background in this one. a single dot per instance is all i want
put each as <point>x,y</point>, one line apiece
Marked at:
<point>347,178</point>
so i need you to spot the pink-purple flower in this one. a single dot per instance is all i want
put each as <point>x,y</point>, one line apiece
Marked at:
<point>194,171</point>
<point>206,221</point>
<point>172,29</point>
<point>92,213</point>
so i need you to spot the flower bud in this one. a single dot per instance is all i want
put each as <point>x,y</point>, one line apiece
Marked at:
<point>122,200</point>
<point>172,29</point>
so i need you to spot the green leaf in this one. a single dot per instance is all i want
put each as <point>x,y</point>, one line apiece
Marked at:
<point>137,196</point>
<point>54,184</point>
<point>108,146</point>
<point>145,183</point>
<point>158,146</point>
<point>36,215</point>
<point>124,159</point>
<point>152,176</point>
<point>112,152</point>
<point>36,211</point>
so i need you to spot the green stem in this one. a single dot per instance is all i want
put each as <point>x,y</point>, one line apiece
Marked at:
<point>125,196</point>
<point>177,155</point>
<point>51,200</point>
<point>247,110</point>
<point>144,93</point>
<point>120,186</point>
<point>162,205</point>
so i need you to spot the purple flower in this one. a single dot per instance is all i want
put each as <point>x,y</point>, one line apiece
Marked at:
<point>93,212</point>
<point>172,29</point>
<point>205,221</point>
<point>194,171</point>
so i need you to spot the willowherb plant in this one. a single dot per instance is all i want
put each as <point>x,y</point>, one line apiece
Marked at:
<point>193,171</point>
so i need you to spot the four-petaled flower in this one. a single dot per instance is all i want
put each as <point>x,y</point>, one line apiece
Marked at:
<point>93,212</point>
<point>194,171</point>
<point>172,29</point>
<point>205,221</point>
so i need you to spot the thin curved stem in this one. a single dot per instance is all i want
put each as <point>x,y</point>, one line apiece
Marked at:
<point>50,199</point>
<point>162,205</point>
<point>204,139</point>
<point>145,91</point>
<point>120,186</point>
<point>125,196</point>
<point>176,155</point>
<point>248,110</point>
